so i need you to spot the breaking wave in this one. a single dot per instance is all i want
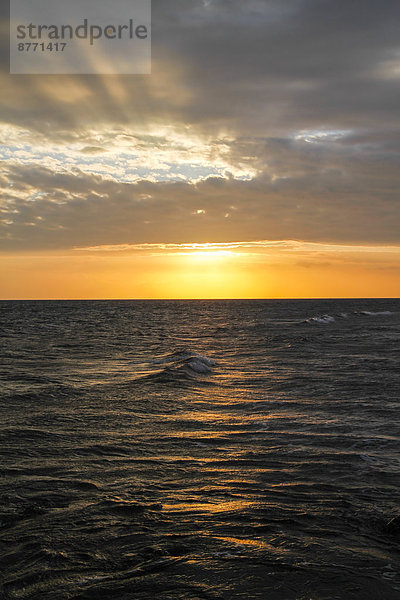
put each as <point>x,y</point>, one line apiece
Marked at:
<point>180,365</point>
<point>369,313</point>
<point>325,319</point>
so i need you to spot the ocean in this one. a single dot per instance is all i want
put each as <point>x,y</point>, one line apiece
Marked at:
<point>187,450</point>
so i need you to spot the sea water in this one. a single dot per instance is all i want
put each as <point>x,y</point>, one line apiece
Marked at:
<point>185,450</point>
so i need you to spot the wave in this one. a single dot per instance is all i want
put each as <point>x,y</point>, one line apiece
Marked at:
<point>325,319</point>
<point>322,320</point>
<point>200,364</point>
<point>370,313</point>
<point>188,358</point>
<point>182,364</point>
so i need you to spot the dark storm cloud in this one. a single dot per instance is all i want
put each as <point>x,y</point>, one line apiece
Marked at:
<point>306,90</point>
<point>279,64</point>
<point>317,62</point>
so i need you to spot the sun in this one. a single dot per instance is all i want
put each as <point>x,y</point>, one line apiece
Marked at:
<point>209,256</point>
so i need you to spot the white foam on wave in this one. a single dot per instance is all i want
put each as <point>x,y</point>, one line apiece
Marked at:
<point>186,360</point>
<point>323,319</point>
<point>200,364</point>
<point>370,313</point>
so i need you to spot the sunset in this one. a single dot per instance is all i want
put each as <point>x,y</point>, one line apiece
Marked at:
<point>199,300</point>
<point>261,269</point>
<point>281,133</point>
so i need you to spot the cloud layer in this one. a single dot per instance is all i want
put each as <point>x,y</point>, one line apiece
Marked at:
<point>262,120</point>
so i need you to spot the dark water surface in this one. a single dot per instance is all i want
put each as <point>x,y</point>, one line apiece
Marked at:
<point>200,450</point>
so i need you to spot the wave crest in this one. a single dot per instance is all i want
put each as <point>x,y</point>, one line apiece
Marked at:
<point>325,319</point>
<point>180,365</point>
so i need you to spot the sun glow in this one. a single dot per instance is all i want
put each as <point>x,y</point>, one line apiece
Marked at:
<point>242,269</point>
<point>210,256</point>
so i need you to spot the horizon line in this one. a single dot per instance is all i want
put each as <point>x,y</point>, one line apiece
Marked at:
<point>196,299</point>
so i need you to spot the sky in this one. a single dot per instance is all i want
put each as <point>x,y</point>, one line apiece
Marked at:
<point>259,159</point>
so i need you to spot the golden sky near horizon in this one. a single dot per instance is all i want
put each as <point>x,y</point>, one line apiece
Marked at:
<point>259,159</point>
<point>207,271</point>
